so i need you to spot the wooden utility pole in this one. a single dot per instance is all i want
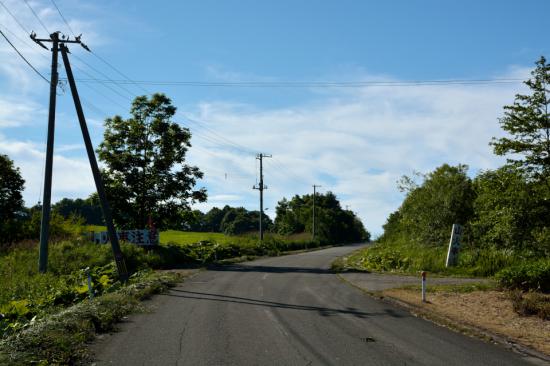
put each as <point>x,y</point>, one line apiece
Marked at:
<point>60,44</point>
<point>46,200</point>
<point>314,194</point>
<point>261,188</point>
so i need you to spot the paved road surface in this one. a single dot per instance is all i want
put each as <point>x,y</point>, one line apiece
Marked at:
<point>286,311</point>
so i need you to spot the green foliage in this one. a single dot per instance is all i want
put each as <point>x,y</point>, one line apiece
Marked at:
<point>22,287</point>
<point>213,219</point>
<point>61,338</point>
<point>333,224</point>
<point>11,200</point>
<point>239,220</point>
<point>220,247</point>
<point>527,122</point>
<point>429,210</point>
<point>61,228</point>
<point>402,256</point>
<point>228,220</point>
<point>534,275</point>
<point>511,211</point>
<point>146,173</point>
<point>89,209</point>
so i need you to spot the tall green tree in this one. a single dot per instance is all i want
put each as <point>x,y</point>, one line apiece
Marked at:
<point>528,123</point>
<point>510,211</point>
<point>11,199</point>
<point>145,173</point>
<point>429,210</point>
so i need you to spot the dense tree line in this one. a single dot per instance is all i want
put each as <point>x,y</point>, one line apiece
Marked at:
<point>508,207</point>
<point>332,223</point>
<point>228,220</point>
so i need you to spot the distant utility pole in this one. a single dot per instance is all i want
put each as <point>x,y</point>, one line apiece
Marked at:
<point>314,194</point>
<point>261,188</point>
<point>59,44</point>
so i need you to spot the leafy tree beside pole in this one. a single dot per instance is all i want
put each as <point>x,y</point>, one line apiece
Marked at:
<point>145,173</point>
<point>11,199</point>
<point>528,123</point>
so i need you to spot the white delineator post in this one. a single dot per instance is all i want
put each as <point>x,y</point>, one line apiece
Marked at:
<point>423,286</point>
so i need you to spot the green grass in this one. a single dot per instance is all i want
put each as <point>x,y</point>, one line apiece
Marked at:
<point>190,237</point>
<point>60,338</point>
<point>404,257</point>
<point>88,228</point>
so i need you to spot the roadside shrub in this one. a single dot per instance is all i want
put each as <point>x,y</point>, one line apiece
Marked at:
<point>527,276</point>
<point>531,303</point>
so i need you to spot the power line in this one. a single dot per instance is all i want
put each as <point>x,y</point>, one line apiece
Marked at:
<point>62,17</point>
<point>24,41</point>
<point>128,80</point>
<point>104,75</point>
<point>14,17</point>
<point>36,16</point>
<point>218,136</point>
<point>308,84</point>
<point>23,57</point>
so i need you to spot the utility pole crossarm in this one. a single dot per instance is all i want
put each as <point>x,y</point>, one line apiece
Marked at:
<point>54,37</point>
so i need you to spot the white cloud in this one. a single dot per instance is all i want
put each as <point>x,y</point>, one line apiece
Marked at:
<point>72,177</point>
<point>356,143</point>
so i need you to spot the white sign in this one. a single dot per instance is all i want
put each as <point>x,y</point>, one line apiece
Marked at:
<point>138,237</point>
<point>454,245</point>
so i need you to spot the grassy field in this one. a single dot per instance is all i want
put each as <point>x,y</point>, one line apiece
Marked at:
<point>190,237</point>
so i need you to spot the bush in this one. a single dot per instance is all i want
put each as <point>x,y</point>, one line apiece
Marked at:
<point>402,256</point>
<point>527,276</point>
<point>531,303</point>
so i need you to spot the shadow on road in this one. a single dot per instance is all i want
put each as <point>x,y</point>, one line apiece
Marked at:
<point>271,269</point>
<point>323,311</point>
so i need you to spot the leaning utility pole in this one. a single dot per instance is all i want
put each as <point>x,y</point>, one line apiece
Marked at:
<point>60,44</point>
<point>261,188</point>
<point>314,194</point>
<point>46,201</point>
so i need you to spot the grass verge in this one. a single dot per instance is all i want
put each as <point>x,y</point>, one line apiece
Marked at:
<point>60,338</point>
<point>514,270</point>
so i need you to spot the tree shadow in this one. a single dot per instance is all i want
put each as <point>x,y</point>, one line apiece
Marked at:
<point>271,269</point>
<point>323,311</point>
<point>268,269</point>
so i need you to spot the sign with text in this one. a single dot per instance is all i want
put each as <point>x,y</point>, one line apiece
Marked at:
<point>139,237</point>
<point>454,245</point>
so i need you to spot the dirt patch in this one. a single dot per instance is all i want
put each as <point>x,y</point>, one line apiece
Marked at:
<point>489,310</point>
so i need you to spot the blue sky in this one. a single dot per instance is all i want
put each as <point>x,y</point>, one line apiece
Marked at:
<point>353,141</point>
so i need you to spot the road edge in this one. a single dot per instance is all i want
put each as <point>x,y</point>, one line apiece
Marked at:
<point>455,325</point>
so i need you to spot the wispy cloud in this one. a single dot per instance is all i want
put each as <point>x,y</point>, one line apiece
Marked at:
<point>356,143</point>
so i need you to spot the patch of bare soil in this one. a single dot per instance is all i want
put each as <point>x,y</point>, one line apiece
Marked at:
<point>489,310</point>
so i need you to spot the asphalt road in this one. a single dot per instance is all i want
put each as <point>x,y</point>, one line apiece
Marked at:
<point>288,310</point>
